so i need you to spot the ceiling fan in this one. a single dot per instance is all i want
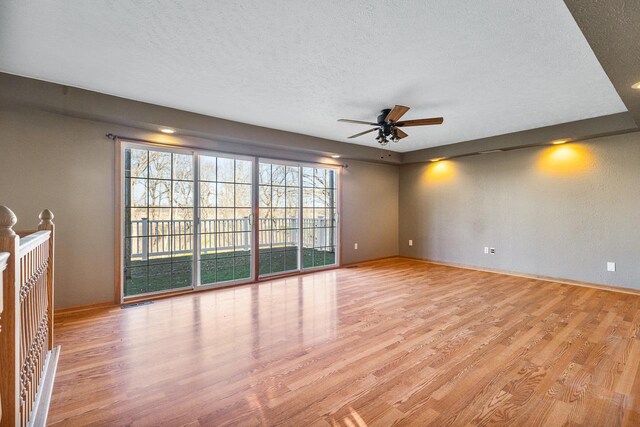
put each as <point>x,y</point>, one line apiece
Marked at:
<point>388,124</point>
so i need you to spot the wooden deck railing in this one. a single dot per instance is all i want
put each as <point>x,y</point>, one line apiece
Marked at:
<point>27,357</point>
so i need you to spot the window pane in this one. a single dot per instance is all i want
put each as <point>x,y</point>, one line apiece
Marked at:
<point>207,194</point>
<point>207,244</point>
<point>159,193</point>
<point>320,198</point>
<point>207,270</point>
<point>277,261</point>
<point>265,173</point>
<point>293,197</point>
<point>243,171</point>
<point>139,193</point>
<point>318,258</point>
<point>181,247</point>
<point>207,168</point>
<point>181,274</point>
<point>265,262</point>
<point>183,167</point>
<point>159,165</point>
<point>139,163</point>
<point>182,194</point>
<point>135,280</point>
<point>225,195</point>
<point>182,221</point>
<point>277,174</point>
<point>159,277</point>
<point>226,170</point>
<point>293,176</point>
<point>243,196</point>
<point>307,177</point>
<point>242,268</point>
<point>264,193</point>
<point>320,177</point>
<point>278,197</point>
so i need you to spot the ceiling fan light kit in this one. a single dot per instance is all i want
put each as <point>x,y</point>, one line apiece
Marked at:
<point>388,124</point>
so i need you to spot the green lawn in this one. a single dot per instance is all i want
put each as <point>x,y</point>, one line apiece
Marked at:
<point>173,273</point>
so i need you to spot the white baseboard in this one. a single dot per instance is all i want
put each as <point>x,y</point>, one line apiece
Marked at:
<point>40,411</point>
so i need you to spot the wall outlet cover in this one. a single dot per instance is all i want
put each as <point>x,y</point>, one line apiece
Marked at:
<point>410,242</point>
<point>492,251</point>
<point>355,246</point>
<point>611,266</point>
<point>486,249</point>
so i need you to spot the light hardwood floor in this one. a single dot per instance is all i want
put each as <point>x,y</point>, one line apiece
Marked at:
<point>392,342</point>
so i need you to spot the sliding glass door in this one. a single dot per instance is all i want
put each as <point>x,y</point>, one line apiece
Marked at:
<point>158,221</point>
<point>320,216</point>
<point>279,218</point>
<point>188,218</point>
<point>298,217</point>
<point>225,219</point>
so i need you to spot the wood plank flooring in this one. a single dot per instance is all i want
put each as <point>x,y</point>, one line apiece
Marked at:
<point>392,342</point>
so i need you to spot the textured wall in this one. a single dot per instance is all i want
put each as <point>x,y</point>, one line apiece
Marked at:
<point>67,165</point>
<point>562,211</point>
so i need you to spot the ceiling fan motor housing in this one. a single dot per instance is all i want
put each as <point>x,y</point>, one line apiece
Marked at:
<point>382,118</point>
<point>382,121</point>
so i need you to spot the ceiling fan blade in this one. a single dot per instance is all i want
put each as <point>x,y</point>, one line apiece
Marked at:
<point>395,114</point>
<point>401,134</point>
<point>357,121</point>
<point>421,122</point>
<point>362,133</point>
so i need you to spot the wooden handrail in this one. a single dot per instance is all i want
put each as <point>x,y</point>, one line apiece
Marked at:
<point>32,241</point>
<point>27,356</point>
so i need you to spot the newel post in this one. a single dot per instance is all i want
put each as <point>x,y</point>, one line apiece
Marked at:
<point>46,223</point>
<point>10,321</point>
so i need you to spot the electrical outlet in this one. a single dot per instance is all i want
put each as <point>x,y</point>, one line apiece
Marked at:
<point>492,251</point>
<point>410,242</point>
<point>355,246</point>
<point>486,249</point>
<point>611,266</point>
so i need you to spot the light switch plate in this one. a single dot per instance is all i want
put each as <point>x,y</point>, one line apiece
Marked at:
<point>611,266</point>
<point>410,242</point>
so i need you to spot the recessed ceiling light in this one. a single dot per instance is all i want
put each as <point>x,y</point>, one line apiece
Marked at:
<point>437,159</point>
<point>559,141</point>
<point>167,130</point>
<point>636,86</point>
<point>336,156</point>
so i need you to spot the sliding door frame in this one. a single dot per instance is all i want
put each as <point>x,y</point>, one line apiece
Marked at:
<point>197,219</point>
<point>337,228</point>
<point>121,144</point>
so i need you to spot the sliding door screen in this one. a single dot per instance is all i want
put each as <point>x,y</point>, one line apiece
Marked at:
<point>158,221</point>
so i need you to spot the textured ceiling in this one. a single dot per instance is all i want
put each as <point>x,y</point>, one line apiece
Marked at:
<point>490,67</point>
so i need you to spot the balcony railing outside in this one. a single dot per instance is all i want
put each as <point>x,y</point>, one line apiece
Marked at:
<point>158,238</point>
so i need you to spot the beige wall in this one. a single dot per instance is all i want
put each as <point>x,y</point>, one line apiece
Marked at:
<point>66,164</point>
<point>560,211</point>
<point>369,208</point>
